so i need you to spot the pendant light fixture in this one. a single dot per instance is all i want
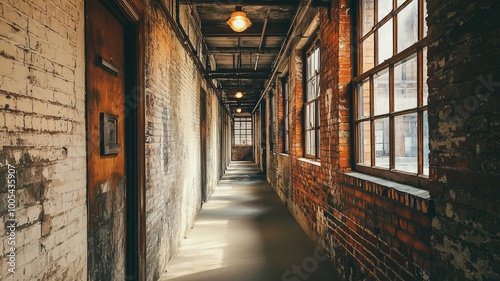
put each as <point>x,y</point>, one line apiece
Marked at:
<point>238,110</point>
<point>239,21</point>
<point>239,93</point>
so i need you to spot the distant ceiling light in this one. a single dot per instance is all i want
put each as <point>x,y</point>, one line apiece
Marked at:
<point>238,95</point>
<point>238,110</point>
<point>238,20</point>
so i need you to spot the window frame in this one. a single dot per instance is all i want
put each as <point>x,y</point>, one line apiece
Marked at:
<point>417,49</point>
<point>310,49</point>
<point>286,114</point>
<point>246,132</point>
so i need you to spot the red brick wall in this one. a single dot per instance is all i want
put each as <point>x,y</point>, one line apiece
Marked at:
<point>371,229</point>
<point>375,229</point>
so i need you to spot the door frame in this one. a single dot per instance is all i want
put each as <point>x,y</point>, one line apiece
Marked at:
<point>131,14</point>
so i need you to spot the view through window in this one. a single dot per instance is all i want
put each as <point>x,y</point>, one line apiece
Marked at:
<point>243,131</point>
<point>311,113</point>
<point>391,96</point>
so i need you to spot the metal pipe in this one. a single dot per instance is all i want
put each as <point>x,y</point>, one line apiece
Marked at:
<point>186,43</point>
<point>262,38</point>
<point>264,29</point>
<point>257,62</point>
<point>297,20</point>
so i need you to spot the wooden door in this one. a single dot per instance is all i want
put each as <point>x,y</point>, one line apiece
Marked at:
<point>105,50</point>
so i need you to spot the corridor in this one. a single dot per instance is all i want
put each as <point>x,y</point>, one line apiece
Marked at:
<point>245,233</point>
<point>249,140</point>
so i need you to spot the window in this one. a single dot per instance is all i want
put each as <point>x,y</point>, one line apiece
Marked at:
<point>391,93</point>
<point>311,106</point>
<point>286,112</point>
<point>242,131</point>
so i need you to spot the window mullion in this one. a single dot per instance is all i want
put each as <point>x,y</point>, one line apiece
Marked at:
<point>372,122</point>
<point>420,91</point>
<point>392,149</point>
<point>420,144</point>
<point>420,19</point>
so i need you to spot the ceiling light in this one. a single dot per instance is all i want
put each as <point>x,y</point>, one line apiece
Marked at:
<point>238,95</point>
<point>238,110</point>
<point>238,20</point>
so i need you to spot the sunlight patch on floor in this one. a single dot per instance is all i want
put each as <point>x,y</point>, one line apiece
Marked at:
<point>201,253</point>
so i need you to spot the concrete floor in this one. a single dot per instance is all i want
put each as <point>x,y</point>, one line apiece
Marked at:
<point>245,233</point>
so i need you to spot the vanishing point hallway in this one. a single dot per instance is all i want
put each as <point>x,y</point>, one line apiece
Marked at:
<point>245,233</point>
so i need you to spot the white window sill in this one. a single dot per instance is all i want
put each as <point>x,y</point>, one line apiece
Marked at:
<point>417,192</point>
<point>285,154</point>
<point>310,161</point>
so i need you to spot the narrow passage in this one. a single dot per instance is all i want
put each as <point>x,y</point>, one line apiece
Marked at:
<point>245,233</point>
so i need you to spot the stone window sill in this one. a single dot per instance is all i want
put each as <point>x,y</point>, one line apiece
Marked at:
<point>310,161</point>
<point>410,196</point>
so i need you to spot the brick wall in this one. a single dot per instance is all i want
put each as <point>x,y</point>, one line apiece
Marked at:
<point>242,153</point>
<point>372,229</point>
<point>42,125</point>
<point>375,229</point>
<point>464,120</point>
<point>42,134</point>
<point>173,167</point>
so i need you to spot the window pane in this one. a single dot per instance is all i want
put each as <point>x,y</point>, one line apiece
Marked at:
<point>381,92</point>
<point>309,67</point>
<point>408,26</point>
<point>364,99</point>
<point>426,143</point>
<point>385,42</point>
<point>384,8</point>
<point>316,66</point>
<point>425,18</point>
<point>425,85</point>
<point>308,142</point>
<point>368,53</point>
<point>382,143</point>
<point>405,84</point>
<point>310,116</point>
<point>307,118</point>
<point>311,89</point>
<point>368,14</point>
<point>406,143</point>
<point>313,142</point>
<point>364,143</point>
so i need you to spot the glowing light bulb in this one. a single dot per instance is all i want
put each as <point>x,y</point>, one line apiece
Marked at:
<point>239,21</point>
<point>238,110</point>
<point>238,95</point>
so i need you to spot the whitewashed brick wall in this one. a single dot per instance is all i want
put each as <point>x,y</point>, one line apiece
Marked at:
<point>42,134</point>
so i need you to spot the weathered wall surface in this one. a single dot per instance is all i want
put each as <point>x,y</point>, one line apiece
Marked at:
<point>464,120</point>
<point>173,165</point>
<point>375,229</point>
<point>242,153</point>
<point>42,134</point>
<point>42,124</point>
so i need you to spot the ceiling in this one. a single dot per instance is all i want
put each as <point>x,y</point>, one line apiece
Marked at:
<point>243,61</point>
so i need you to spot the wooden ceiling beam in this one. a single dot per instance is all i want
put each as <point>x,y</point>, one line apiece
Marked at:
<point>219,30</point>
<point>272,3</point>
<point>239,71</point>
<point>243,50</point>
